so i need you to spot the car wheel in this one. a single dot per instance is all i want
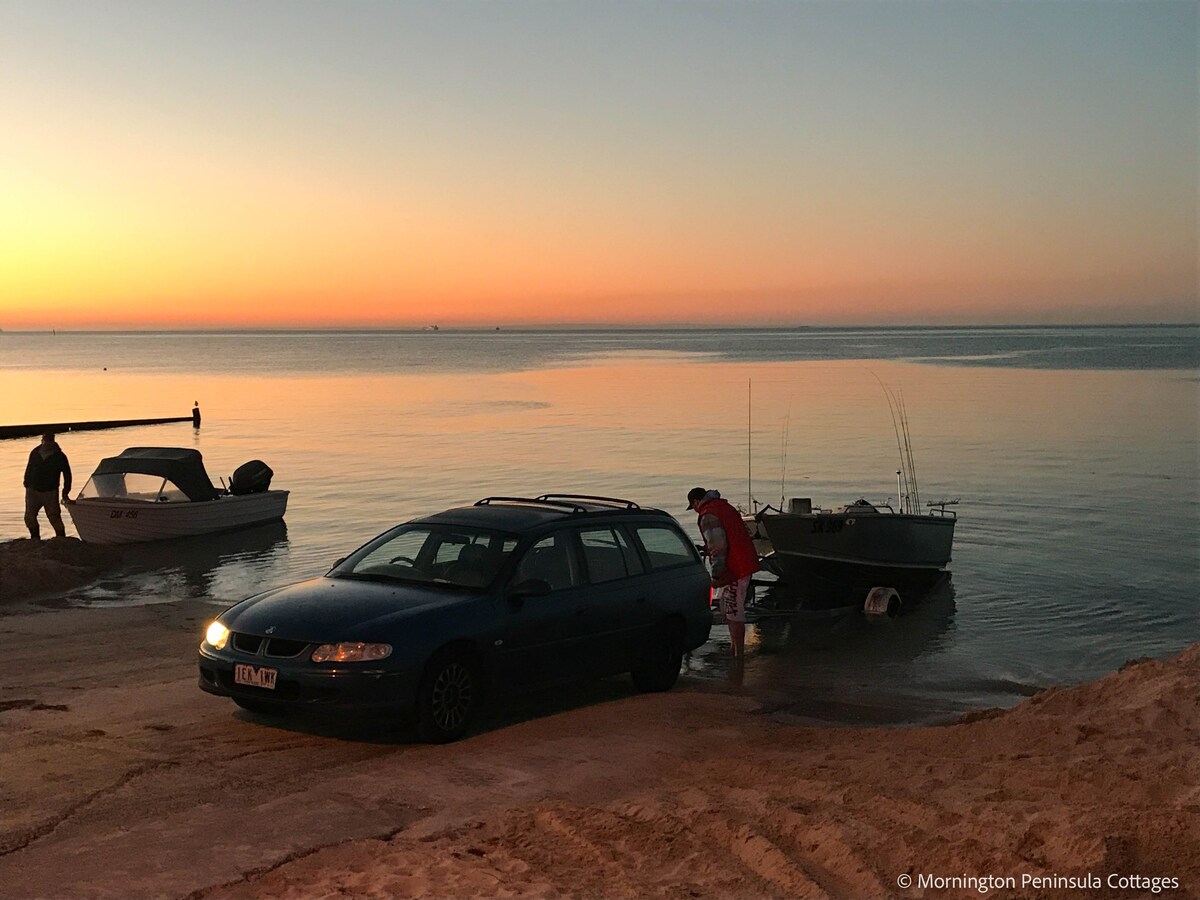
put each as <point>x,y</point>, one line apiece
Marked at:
<point>657,669</point>
<point>257,706</point>
<point>449,698</point>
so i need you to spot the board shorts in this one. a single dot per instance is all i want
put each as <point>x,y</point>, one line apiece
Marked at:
<point>731,599</point>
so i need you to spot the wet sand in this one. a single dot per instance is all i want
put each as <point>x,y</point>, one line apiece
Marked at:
<point>35,568</point>
<point>121,779</point>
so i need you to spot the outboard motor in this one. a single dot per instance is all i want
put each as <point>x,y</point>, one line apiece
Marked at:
<point>253,477</point>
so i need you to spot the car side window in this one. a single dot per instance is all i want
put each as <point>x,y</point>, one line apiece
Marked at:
<point>549,561</point>
<point>609,555</point>
<point>665,546</point>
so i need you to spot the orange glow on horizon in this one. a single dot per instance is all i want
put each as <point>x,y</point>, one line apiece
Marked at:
<point>403,165</point>
<point>173,241</point>
<point>126,239</point>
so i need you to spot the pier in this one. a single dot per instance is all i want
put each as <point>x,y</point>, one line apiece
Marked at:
<point>24,431</point>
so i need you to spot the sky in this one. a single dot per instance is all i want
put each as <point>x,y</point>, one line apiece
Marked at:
<point>659,162</point>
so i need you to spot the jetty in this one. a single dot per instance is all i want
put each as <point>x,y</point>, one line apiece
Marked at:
<point>24,431</point>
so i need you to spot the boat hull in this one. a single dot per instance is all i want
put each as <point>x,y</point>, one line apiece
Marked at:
<point>880,541</point>
<point>822,584</point>
<point>115,521</point>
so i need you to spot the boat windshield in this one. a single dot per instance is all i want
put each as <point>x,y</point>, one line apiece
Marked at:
<point>431,554</point>
<point>131,486</point>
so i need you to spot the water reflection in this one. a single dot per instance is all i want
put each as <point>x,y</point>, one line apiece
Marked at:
<point>1075,550</point>
<point>846,634</point>
<point>834,664</point>
<point>222,568</point>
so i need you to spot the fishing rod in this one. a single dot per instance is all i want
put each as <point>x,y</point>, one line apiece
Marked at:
<point>749,443</point>
<point>787,420</point>
<point>903,481</point>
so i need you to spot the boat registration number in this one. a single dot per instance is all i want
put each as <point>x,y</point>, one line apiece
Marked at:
<point>255,676</point>
<point>829,525</point>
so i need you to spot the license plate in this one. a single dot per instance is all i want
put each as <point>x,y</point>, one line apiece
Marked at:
<point>255,676</point>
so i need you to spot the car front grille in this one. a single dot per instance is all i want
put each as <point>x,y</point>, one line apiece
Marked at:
<point>280,648</point>
<point>256,645</point>
<point>246,643</point>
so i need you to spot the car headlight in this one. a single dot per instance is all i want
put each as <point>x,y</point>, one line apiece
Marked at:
<point>351,651</point>
<point>217,636</point>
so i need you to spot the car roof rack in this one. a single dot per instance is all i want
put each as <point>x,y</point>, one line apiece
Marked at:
<point>532,501</point>
<point>590,498</point>
<point>570,502</point>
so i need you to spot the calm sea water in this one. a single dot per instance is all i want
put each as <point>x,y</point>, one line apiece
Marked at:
<point>1075,453</point>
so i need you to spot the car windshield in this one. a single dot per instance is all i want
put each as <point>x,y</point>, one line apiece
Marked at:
<point>431,554</point>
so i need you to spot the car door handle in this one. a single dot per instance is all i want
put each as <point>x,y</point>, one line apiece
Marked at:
<point>641,599</point>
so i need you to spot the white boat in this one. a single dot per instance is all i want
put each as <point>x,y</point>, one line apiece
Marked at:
<point>157,493</point>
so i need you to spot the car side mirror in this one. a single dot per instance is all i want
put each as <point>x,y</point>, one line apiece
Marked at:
<point>338,562</point>
<point>530,587</point>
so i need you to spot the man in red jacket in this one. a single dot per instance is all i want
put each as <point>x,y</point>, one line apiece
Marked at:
<point>732,556</point>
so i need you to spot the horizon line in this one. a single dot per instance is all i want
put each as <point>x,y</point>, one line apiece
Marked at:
<point>568,326</point>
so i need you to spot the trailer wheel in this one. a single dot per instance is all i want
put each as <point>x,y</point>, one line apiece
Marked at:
<point>882,601</point>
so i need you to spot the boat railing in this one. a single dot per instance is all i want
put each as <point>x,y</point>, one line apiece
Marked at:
<point>769,508</point>
<point>938,508</point>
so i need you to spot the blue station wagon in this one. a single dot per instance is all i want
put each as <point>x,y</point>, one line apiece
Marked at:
<point>431,616</point>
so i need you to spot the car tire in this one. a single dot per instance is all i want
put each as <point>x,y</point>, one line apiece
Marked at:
<point>257,706</point>
<point>657,669</point>
<point>449,697</point>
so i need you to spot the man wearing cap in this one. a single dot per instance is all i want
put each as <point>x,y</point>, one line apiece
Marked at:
<point>46,463</point>
<point>732,556</point>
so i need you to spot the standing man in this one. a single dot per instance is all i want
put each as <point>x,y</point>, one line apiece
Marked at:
<point>46,463</point>
<point>732,555</point>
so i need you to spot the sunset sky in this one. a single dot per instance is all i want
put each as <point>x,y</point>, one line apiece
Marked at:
<point>324,164</point>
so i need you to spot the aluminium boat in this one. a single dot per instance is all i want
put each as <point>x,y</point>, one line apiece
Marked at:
<point>860,542</point>
<point>157,493</point>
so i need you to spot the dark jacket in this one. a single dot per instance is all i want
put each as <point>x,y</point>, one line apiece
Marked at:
<point>42,472</point>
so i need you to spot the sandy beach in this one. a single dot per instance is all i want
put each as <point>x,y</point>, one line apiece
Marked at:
<point>121,779</point>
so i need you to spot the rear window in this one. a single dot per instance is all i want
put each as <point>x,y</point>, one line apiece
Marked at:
<point>665,546</point>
